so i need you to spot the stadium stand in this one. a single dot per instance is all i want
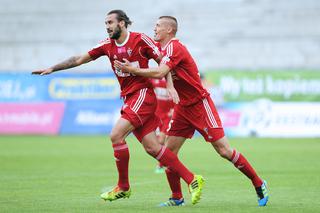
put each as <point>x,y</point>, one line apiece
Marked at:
<point>221,34</point>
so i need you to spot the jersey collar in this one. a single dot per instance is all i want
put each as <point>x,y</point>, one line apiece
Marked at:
<point>125,41</point>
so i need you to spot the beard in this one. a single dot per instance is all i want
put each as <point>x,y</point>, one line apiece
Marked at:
<point>117,33</point>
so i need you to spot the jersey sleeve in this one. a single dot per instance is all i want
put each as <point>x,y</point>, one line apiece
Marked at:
<point>149,47</point>
<point>172,57</point>
<point>98,50</point>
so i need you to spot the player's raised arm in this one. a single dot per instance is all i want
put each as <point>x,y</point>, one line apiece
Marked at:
<point>73,61</point>
<point>154,72</point>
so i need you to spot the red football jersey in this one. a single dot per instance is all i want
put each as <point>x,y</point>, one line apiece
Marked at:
<point>138,49</point>
<point>165,103</point>
<point>185,74</point>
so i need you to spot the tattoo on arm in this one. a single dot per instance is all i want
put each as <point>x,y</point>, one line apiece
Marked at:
<point>69,63</point>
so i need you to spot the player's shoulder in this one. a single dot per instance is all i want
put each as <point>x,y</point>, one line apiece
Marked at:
<point>142,37</point>
<point>137,35</point>
<point>176,42</point>
<point>171,45</point>
<point>103,42</point>
<point>146,40</point>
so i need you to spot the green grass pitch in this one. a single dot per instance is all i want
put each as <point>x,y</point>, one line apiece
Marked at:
<point>68,173</point>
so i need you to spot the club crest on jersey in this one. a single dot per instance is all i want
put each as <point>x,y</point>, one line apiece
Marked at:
<point>115,57</point>
<point>129,51</point>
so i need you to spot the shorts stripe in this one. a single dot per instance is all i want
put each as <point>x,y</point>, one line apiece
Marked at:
<point>140,100</point>
<point>209,113</point>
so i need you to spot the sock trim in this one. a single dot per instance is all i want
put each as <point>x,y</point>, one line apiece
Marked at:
<point>117,147</point>
<point>161,153</point>
<point>236,157</point>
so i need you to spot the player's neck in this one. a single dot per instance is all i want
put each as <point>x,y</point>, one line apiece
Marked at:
<point>165,41</point>
<point>123,38</point>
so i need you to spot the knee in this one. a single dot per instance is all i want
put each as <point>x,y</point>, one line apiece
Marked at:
<point>151,151</point>
<point>152,148</point>
<point>115,137</point>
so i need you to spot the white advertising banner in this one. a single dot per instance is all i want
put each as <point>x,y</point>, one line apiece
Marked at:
<point>264,118</point>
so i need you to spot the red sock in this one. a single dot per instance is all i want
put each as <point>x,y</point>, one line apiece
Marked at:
<point>244,166</point>
<point>174,182</point>
<point>171,161</point>
<point>121,155</point>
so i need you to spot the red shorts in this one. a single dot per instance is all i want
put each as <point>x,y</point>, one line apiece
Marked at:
<point>164,112</point>
<point>164,121</point>
<point>138,109</point>
<point>201,116</point>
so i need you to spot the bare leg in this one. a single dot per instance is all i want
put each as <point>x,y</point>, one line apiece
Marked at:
<point>240,162</point>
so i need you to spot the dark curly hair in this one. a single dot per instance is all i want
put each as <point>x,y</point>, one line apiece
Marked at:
<point>121,16</point>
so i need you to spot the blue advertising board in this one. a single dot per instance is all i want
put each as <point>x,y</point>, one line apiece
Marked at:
<point>23,88</point>
<point>90,117</point>
<point>91,101</point>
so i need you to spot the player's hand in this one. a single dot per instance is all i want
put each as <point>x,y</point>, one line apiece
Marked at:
<point>42,72</point>
<point>124,66</point>
<point>172,92</point>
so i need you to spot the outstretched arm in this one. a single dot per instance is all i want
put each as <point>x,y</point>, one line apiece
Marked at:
<point>155,72</point>
<point>73,61</point>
